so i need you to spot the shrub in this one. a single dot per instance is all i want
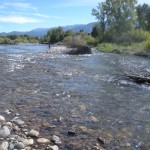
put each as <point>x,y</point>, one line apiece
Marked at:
<point>147,45</point>
<point>91,40</point>
<point>74,41</point>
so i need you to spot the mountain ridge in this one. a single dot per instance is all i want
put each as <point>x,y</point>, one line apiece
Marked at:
<point>39,32</point>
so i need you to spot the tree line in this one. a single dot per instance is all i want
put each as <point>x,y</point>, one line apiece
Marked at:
<point>15,39</point>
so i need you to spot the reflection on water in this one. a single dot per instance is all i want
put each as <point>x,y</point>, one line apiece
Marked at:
<point>86,92</point>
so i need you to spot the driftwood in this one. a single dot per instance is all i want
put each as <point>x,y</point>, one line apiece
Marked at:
<point>137,75</point>
<point>139,79</point>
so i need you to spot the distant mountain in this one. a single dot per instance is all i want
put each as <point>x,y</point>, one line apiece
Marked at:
<point>43,31</point>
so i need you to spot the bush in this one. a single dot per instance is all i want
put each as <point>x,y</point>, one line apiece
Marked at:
<point>147,45</point>
<point>74,41</point>
<point>126,38</point>
<point>107,47</point>
<point>91,40</point>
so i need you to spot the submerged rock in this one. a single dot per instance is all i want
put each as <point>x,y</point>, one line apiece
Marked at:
<point>4,145</point>
<point>2,119</point>
<point>71,133</point>
<point>19,145</point>
<point>33,133</point>
<point>80,50</point>
<point>4,132</point>
<point>43,141</point>
<point>56,139</point>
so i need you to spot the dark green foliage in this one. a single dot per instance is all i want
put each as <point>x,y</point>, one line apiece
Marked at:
<point>115,17</point>
<point>143,16</point>
<point>56,35</point>
<point>95,31</point>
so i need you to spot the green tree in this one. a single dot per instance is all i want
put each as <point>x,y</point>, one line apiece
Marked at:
<point>143,16</point>
<point>56,35</point>
<point>95,31</point>
<point>116,15</point>
<point>68,33</point>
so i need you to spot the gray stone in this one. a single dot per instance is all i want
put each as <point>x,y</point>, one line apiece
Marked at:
<point>18,121</point>
<point>33,133</point>
<point>9,124</point>
<point>28,142</point>
<point>4,132</point>
<point>2,119</point>
<point>56,139</point>
<point>43,141</point>
<point>55,147</point>
<point>19,145</point>
<point>4,145</point>
<point>71,133</point>
<point>11,146</point>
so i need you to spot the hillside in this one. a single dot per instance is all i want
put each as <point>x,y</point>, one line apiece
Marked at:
<point>43,31</point>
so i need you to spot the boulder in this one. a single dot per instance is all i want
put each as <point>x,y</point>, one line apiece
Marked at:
<point>80,50</point>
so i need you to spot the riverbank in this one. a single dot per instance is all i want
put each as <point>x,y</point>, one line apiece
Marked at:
<point>140,49</point>
<point>17,134</point>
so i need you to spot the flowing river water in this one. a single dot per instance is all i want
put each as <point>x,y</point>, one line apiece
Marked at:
<point>55,93</point>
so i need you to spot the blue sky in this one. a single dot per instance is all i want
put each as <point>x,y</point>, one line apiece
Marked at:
<point>25,15</point>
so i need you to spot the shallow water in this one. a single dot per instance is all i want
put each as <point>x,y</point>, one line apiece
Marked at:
<point>86,93</point>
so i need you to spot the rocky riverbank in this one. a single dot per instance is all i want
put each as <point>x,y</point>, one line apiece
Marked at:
<point>15,134</point>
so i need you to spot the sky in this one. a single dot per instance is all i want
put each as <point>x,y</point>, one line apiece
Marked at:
<point>25,15</point>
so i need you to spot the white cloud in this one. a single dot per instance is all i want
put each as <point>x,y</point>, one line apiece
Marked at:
<point>75,3</point>
<point>18,19</point>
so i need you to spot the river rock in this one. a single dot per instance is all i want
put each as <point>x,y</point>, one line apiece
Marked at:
<point>56,139</point>
<point>4,132</point>
<point>4,145</point>
<point>71,133</point>
<point>33,133</point>
<point>28,142</point>
<point>80,50</point>
<point>55,147</point>
<point>19,145</point>
<point>2,119</point>
<point>11,146</point>
<point>43,141</point>
<point>9,124</point>
<point>18,121</point>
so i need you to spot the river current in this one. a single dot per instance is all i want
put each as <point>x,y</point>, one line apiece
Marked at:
<point>87,94</point>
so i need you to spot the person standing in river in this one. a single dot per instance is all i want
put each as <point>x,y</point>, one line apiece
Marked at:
<point>49,45</point>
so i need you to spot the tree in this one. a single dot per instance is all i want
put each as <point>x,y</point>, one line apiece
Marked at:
<point>56,35</point>
<point>143,16</point>
<point>116,15</point>
<point>95,31</point>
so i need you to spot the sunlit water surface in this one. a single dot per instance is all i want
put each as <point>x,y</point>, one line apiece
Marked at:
<point>85,93</point>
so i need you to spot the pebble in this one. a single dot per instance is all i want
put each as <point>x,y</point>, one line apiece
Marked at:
<point>55,147</point>
<point>71,133</point>
<point>16,128</point>
<point>4,132</point>
<point>4,145</point>
<point>56,139</point>
<point>100,140</point>
<point>9,124</point>
<point>18,121</point>
<point>43,141</point>
<point>33,133</point>
<point>2,119</point>
<point>7,112</point>
<point>11,146</point>
<point>28,142</point>
<point>19,145</point>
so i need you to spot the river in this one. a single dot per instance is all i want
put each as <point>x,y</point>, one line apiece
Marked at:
<point>86,94</point>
